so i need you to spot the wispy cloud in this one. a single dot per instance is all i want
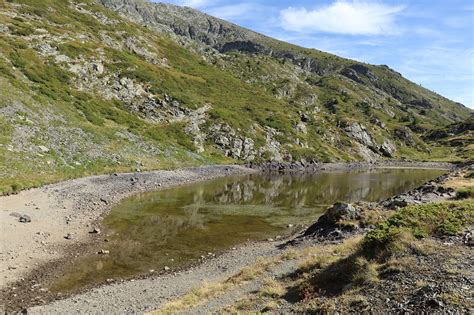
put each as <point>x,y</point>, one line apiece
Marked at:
<point>446,70</point>
<point>191,3</point>
<point>239,11</point>
<point>343,17</point>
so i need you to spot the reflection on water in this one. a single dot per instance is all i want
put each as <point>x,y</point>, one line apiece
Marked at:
<point>172,227</point>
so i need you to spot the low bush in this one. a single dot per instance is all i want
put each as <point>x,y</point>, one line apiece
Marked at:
<point>419,221</point>
<point>464,193</point>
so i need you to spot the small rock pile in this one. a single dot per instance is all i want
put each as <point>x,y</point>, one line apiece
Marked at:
<point>429,192</point>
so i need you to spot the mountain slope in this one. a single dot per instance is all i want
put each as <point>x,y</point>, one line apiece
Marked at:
<point>459,136</point>
<point>84,90</point>
<point>226,37</point>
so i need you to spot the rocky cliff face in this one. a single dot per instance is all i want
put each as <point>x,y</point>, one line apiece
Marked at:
<point>95,85</point>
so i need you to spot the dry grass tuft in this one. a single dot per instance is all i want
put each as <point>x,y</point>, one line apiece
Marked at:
<point>272,288</point>
<point>208,291</point>
<point>460,182</point>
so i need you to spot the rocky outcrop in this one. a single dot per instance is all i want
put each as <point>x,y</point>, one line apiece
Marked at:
<point>195,120</point>
<point>368,149</point>
<point>387,148</point>
<point>463,129</point>
<point>423,103</point>
<point>360,133</point>
<point>405,135</point>
<point>233,145</point>
<point>359,73</point>
<point>272,150</point>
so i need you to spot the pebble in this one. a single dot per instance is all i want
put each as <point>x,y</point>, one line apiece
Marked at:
<point>25,218</point>
<point>95,231</point>
<point>166,268</point>
<point>103,252</point>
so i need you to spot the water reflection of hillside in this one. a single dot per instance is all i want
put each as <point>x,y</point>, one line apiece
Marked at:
<point>174,226</point>
<point>298,190</point>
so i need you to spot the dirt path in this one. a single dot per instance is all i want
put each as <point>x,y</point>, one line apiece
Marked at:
<point>75,207</point>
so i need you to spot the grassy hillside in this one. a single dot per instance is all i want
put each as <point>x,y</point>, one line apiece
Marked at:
<point>84,91</point>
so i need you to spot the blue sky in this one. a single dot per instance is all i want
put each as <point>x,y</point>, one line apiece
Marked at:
<point>431,42</point>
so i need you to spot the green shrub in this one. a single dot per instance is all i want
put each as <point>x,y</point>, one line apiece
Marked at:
<point>16,187</point>
<point>464,193</point>
<point>419,221</point>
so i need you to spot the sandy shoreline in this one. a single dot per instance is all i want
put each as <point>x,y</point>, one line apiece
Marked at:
<point>77,206</point>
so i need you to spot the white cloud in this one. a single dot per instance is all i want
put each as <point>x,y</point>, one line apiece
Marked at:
<point>343,17</point>
<point>195,3</point>
<point>239,11</point>
<point>190,3</point>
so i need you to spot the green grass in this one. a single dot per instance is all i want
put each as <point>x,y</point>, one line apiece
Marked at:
<point>420,221</point>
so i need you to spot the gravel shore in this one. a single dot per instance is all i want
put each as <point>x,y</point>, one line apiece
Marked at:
<point>75,208</point>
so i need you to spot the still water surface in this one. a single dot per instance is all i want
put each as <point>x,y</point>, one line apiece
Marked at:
<point>173,227</point>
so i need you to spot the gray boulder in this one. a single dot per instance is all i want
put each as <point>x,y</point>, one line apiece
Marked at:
<point>359,132</point>
<point>341,211</point>
<point>387,148</point>
<point>327,226</point>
